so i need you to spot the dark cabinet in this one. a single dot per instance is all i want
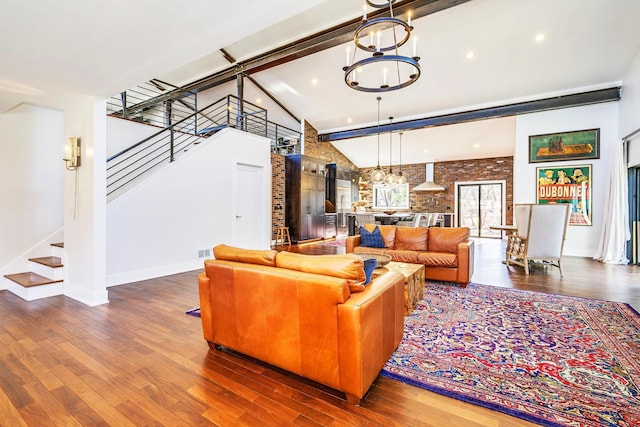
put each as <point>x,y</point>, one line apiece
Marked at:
<point>304,192</point>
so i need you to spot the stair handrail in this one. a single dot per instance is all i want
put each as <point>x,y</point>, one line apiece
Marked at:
<point>131,163</point>
<point>173,125</point>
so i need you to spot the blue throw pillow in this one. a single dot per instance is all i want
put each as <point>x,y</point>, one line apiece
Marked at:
<point>371,239</point>
<point>369,265</point>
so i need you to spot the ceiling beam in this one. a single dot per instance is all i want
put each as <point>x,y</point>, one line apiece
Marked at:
<point>231,59</point>
<point>564,101</point>
<point>314,43</point>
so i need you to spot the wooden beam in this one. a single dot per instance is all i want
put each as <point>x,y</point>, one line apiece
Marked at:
<point>309,45</point>
<point>230,59</point>
<point>564,101</point>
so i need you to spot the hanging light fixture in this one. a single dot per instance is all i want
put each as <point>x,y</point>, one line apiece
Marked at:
<point>401,179</point>
<point>377,176</point>
<point>390,178</point>
<point>382,72</point>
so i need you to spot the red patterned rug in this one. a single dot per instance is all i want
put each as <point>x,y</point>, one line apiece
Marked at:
<point>549,359</point>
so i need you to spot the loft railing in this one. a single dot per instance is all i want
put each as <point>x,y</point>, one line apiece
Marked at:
<point>131,104</point>
<point>161,148</point>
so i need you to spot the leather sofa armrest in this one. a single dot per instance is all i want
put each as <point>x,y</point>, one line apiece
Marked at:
<point>370,325</point>
<point>351,242</point>
<point>465,262</point>
<point>204,289</point>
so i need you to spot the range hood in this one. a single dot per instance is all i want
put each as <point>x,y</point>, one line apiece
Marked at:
<point>429,185</point>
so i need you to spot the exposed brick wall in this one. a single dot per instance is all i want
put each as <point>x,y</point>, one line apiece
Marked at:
<point>446,174</point>
<point>323,150</point>
<point>277,192</point>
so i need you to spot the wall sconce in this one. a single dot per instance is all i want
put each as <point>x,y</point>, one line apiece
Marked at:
<point>72,153</point>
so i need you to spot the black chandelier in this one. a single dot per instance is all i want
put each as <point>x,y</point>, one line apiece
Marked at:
<point>382,71</point>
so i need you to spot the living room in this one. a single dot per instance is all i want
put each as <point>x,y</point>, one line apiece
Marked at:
<point>74,204</point>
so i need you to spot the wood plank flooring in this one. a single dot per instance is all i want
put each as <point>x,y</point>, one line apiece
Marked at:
<point>140,360</point>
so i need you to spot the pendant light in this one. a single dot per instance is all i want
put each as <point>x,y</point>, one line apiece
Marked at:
<point>390,178</point>
<point>401,179</point>
<point>377,176</point>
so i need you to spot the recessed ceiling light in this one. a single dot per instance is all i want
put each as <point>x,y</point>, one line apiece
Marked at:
<point>258,100</point>
<point>539,37</point>
<point>314,82</point>
<point>469,55</point>
<point>426,151</point>
<point>476,145</point>
<point>349,120</point>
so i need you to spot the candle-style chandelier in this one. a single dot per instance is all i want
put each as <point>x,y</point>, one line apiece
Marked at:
<point>386,69</point>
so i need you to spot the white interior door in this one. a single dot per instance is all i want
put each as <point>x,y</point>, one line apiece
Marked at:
<point>251,216</point>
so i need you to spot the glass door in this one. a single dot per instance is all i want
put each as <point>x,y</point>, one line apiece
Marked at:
<point>481,205</point>
<point>633,250</point>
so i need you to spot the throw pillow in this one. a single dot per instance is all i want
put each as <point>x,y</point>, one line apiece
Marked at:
<point>371,239</point>
<point>369,265</point>
<point>388,233</point>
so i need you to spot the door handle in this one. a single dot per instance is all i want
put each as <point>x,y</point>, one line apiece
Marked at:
<point>238,216</point>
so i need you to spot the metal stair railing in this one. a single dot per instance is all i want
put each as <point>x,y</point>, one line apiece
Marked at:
<point>137,161</point>
<point>160,148</point>
<point>125,104</point>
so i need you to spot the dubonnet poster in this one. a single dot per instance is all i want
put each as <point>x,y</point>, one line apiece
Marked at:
<point>567,184</point>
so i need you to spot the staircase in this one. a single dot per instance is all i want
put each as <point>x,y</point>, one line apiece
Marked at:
<point>45,279</point>
<point>182,125</point>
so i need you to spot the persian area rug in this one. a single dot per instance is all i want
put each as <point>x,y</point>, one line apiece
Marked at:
<point>549,359</point>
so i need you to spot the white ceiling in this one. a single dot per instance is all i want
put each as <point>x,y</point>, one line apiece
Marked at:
<point>54,53</point>
<point>75,48</point>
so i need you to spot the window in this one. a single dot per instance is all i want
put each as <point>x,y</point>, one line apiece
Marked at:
<point>391,196</point>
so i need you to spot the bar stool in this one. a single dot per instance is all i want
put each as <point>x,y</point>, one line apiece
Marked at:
<point>282,236</point>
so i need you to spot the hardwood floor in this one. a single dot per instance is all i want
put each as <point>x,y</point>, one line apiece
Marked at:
<point>140,360</point>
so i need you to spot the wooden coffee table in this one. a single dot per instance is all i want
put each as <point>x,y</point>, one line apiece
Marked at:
<point>413,282</point>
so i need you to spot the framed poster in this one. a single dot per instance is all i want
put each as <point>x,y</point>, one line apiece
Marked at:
<point>567,184</point>
<point>576,145</point>
<point>391,196</point>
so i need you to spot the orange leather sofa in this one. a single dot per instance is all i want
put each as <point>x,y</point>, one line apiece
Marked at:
<point>307,314</point>
<point>447,253</point>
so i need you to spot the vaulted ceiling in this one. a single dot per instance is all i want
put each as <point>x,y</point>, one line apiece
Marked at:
<point>475,54</point>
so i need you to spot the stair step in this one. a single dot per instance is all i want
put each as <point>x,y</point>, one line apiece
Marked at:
<point>49,261</point>
<point>30,279</point>
<point>58,245</point>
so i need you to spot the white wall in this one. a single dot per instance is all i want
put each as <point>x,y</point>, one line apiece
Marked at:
<point>630,110</point>
<point>156,227</point>
<point>580,240</point>
<point>124,133</point>
<point>85,205</point>
<point>31,193</point>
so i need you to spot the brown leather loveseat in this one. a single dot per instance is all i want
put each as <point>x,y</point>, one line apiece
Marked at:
<point>307,314</point>
<point>447,253</point>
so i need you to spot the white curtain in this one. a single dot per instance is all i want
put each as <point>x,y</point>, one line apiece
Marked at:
<point>615,230</point>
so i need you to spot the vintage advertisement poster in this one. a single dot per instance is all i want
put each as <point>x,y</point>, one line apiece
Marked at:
<point>567,184</point>
<point>576,145</point>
